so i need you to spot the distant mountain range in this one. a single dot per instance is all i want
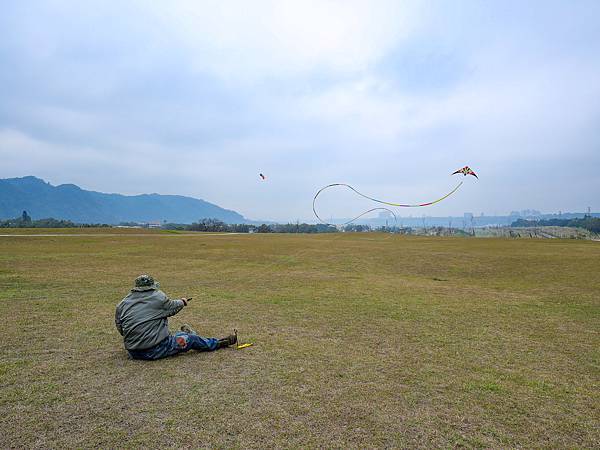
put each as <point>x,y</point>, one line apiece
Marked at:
<point>68,201</point>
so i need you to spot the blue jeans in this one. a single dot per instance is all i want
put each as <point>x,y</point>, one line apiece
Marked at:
<point>174,344</point>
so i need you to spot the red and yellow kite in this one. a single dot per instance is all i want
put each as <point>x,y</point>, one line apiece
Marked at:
<point>466,171</point>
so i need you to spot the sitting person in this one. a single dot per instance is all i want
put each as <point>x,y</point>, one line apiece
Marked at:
<point>141,318</point>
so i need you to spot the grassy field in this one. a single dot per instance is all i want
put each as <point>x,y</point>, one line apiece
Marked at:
<point>361,340</point>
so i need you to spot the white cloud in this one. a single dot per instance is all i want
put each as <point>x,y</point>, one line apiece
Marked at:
<point>240,39</point>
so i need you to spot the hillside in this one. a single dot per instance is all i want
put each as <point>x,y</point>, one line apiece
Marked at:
<point>68,201</point>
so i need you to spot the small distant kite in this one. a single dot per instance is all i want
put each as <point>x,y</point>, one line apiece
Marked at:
<point>465,171</point>
<point>262,176</point>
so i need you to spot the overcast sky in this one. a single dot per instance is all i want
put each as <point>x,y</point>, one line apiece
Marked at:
<point>199,97</point>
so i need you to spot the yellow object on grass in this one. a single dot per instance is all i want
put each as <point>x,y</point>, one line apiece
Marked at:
<point>241,346</point>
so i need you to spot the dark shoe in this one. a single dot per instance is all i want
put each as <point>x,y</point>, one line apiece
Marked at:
<point>187,329</point>
<point>229,340</point>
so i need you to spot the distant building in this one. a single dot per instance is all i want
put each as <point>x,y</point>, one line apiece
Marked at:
<point>155,224</point>
<point>530,213</point>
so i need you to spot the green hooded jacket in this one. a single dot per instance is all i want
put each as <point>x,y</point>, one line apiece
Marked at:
<point>141,317</point>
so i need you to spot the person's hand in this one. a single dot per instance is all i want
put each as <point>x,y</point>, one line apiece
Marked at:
<point>185,300</point>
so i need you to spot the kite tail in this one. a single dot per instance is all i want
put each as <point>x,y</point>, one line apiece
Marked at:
<point>357,217</point>
<point>401,205</point>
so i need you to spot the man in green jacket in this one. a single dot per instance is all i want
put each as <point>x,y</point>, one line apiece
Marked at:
<point>141,318</point>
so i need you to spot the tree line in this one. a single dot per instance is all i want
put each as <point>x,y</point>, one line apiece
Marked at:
<point>588,222</point>
<point>25,221</point>
<point>208,225</point>
<point>216,225</point>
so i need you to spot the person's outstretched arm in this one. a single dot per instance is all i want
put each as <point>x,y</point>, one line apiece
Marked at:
<point>172,307</point>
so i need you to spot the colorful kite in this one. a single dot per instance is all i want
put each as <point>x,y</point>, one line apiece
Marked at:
<point>465,171</point>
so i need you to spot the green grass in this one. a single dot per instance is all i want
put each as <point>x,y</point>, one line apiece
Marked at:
<point>361,340</point>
